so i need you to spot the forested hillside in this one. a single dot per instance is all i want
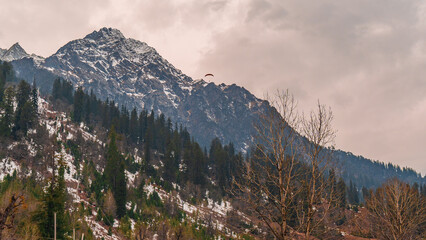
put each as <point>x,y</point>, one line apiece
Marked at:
<point>114,173</point>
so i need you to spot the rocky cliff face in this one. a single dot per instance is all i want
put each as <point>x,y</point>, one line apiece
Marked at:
<point>15,52</point>
<point>133,74</point>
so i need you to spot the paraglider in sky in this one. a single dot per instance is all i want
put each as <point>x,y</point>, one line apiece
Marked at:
<point>209,74</point>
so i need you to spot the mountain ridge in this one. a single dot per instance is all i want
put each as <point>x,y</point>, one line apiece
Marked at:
<point>133,74</point>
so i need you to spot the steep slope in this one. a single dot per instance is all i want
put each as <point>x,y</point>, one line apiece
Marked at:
<point>28,157</point>
<point>133,74</point>
<point>2,51</point>
<point>15,52</point>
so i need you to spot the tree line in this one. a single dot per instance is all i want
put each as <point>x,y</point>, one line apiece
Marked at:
<point>16,121</point>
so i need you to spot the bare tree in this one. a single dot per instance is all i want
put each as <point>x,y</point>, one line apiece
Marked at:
<point>110,206</point>
<point>319,133</point>
<point>8,214</point>
<point>287,173</point>
<point>268,183</point>
<point>399,211</point>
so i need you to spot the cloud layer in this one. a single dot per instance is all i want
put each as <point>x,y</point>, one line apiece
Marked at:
<point>365,59</point>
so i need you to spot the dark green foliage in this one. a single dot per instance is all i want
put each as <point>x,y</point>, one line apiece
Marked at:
<point>6,75</point>
<point>73,146</point>
<point>353,197</point>
<point>147,146</point>
<point>34,97</point>
<point>98,183</point>
<point>154,200</point>
<point>7,106</point>
<point>131,165</point>
<point>341,193</point>
<point>53,201</point>
<point>372,174</point>
<point>226,163</point>
<point>157,139</point>
<point>56,90</point>
<point>120,193</point>
<point>133,125</point>
<point>195,164</point>
<point>26,114</point>
<point>78,105</point>
<point>171,162</point>
<point>62,90</point>
<point>114,173</point>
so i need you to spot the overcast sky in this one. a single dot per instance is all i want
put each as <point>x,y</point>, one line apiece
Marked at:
<point>365,59</point>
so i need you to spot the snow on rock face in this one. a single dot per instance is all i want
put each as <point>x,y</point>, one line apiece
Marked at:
<point>99,230</point>
<point>7,167</point>
<point>222,208</point>
<point>108,63</point>
<point>130,177</point>
<point>14,53</point>
<point>134,74</point>
<point>2,51</point>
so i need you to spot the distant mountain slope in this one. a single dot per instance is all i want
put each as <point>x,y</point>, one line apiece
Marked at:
<point>371,174</point>
<point>15,52</point>
<point>133,74</point>
<point>2,51</point>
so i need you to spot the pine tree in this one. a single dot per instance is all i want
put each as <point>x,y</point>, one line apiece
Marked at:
<point>66,91</point>
<point>7,118</point>
<point>341,193</point>
<point>23,115</point>
<point>133,125</point>
<point>220,158</point>
<point>142,125</point>
<point>56,90</point>
<point>78,105</point>
<point>353,194</point>
<point>124,120</point>
<point>120,193</point>
<point>198,166</point>
<point>87,108</point>
<point>148,145</point>
<point>2,82</point>
<point>34,100</point>
<point>53,201</point>
<point>114,173</point>
<point>170,166</point>
<point>27,117</point>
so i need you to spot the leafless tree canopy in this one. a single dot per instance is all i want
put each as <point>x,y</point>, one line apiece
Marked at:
<point>317,129</point>
<point>399,211</point>
<point>275,176</point>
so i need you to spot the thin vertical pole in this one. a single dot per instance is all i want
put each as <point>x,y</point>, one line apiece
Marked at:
<point>54,219</point>
<point>73,234</point>
<point>82,237</point>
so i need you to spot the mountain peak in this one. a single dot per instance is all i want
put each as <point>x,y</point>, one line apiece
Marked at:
<point>15,52</point>
<point>105,33</point>
<point>17,46</point>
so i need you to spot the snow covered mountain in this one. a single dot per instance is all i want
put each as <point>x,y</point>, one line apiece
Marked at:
<point>133,74</point>
<point>2,51</point>
<point>15,52</point>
